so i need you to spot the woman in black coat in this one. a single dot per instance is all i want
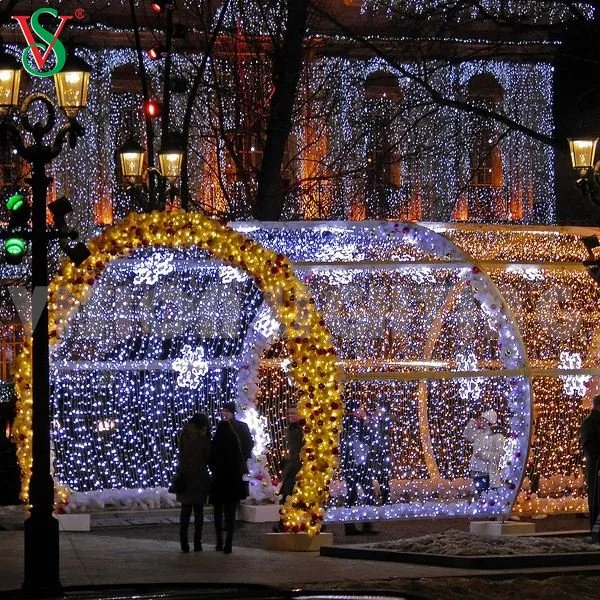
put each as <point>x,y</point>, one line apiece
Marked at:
<point>194,453</point>
<point>228,488</point>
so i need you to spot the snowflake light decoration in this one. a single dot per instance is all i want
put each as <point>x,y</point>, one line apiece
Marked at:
<point>338,277</point>
<point>529,273</point>
<point>265,323</point>
<point>231,274</point>
<point>151,269</point>
<point>573,385</point>
<point>468,387</point>
<point>340,252</point>
<point>420,274</point>
<point>190,367</point>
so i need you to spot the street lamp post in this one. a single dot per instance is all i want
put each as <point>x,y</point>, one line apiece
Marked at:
<point>131,160</point>
<point>583,151</point>
<point>41,575</point>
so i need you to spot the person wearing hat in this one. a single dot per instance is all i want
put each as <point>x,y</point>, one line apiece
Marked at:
<point>242,430</point>
<point>485,454</point>
<point>243,433</point>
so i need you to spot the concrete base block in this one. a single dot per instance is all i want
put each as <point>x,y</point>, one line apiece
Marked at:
<point>259,513</point>
<point>500,528</point>
<point>297,542</point>
<point>73,522</point>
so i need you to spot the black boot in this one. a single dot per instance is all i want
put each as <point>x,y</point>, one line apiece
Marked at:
<point>183,539</point>
<point>198,541</point>
<point>368,529</point>
<point>351,529</point>
<point>228,544</point>
<point>219,546</point>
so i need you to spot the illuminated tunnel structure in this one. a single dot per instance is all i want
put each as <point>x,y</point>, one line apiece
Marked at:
<point>432,325</point>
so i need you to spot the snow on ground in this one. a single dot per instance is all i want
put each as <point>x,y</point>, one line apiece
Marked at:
<point>581,587</point>
<point>461,543</point>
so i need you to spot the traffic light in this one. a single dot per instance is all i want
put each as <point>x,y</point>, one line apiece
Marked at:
<point>15,245</point>
<point>158,6</point>
<point>18,209</point>
<point>60,209</point>
<point>156,52</point>
<point>152,108</point>
<point>15,249</point>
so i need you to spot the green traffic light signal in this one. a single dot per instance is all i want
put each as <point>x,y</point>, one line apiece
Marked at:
<point>15,248</point>
<point>15,202</point>
<point>18,209</point>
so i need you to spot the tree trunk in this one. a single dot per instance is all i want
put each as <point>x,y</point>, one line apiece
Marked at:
<point>287,63</point>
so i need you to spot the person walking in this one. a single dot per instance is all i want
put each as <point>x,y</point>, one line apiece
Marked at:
<point>228,486</point>
<point>194,453</point>
<point>590,443</point>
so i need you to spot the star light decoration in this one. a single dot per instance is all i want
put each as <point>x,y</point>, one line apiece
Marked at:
<point>190,367</point>
<point>151,269</point>
<point>573,385</point>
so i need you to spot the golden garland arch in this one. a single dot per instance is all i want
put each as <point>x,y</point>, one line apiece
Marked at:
<point>314,370</point>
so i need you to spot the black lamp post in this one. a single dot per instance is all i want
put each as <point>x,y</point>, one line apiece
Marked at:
<point>583,151</point>
<point>131,160</point>
<point>41,528</point>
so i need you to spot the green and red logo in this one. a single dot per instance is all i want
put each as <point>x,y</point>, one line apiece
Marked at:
<point>50,44</point>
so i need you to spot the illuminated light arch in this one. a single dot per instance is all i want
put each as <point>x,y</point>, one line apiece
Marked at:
<point>313,368</point>
<point>434,334</point>
<point>512,367</point>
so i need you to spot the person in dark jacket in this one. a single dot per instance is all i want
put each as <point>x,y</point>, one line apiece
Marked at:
<point>228,487</point>
<point>244,436</point>
<point>241,429</point>
<point>292,463</point>
<point>590,443</point>
<point>194,454</point>
<point>356,447</point>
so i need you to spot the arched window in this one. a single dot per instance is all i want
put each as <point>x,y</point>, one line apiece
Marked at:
<point>484,88</point>
<point>486,158</point>
<point>486,162</point>
<point>383,174</point>
<point>383,85</point>
<point>125,79</point>
<point>12,167</point>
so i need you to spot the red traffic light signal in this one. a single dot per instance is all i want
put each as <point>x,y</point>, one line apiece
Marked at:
<point>158,5</point>
<point>156,52</point>
<point>152,108</point>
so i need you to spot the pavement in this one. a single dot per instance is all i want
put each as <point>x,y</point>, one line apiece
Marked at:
<point>143,548</point>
